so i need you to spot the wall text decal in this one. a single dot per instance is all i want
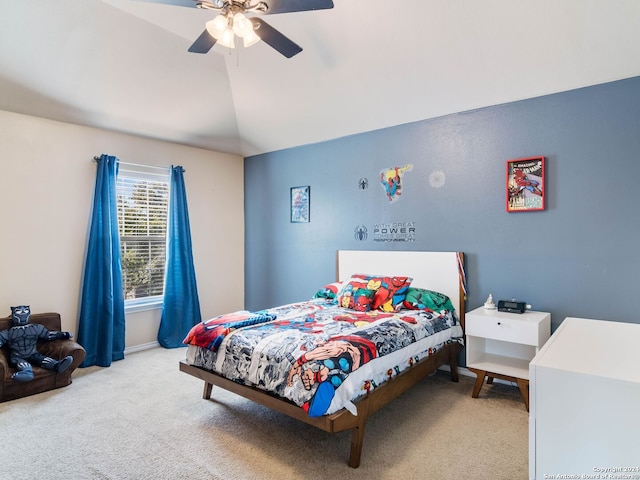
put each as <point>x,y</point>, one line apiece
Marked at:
<point>394,232</point>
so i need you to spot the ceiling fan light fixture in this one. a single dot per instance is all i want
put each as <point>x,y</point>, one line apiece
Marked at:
<point>217,26</point>
<point>228,39</point>
<point>250,39</point>
<point>226,26</point>
<point>241,25</point>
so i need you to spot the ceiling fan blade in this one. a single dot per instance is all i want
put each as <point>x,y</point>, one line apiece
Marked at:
<point>286,6</point>
<point>177,3</point>
<point>203,43</point>
<point>275,6</point>
<point>274,38</point>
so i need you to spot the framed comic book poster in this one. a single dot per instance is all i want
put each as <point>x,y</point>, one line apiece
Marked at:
<point>300,204</point>
<point>525,184</point>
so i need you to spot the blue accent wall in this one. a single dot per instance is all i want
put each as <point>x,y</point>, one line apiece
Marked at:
<point>578,257</point>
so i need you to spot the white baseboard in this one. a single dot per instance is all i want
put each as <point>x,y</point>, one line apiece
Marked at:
<point>139,348</point>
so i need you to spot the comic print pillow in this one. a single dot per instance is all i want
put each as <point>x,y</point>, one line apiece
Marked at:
<point>329,291</point>
<point>390,291</point>
<point>355,295</point>
<point>423,299</point>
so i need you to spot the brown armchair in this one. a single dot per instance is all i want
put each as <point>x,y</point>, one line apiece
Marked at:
<point>43,379</point>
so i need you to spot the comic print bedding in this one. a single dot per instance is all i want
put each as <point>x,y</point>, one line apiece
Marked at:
<point>319,355</point>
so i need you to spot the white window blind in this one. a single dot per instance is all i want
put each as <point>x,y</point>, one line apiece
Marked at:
<point>142,200</point>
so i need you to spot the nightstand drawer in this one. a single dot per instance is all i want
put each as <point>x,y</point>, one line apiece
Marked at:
<point>504,329</point>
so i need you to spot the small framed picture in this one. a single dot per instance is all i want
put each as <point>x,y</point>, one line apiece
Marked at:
<point>300,204</point>
<point>525,184</point>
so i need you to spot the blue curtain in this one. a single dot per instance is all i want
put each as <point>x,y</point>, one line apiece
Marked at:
<point>102,324</point>
<point>181,307</point>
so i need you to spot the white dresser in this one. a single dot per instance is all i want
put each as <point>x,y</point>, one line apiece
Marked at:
<point>585,402</point>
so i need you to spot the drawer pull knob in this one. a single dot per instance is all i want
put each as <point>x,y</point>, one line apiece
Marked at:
<point>499,323</point>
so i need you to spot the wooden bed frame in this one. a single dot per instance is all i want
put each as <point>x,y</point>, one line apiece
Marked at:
<point>439,271</point>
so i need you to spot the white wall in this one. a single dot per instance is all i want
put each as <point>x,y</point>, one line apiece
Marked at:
<point>47,178</point>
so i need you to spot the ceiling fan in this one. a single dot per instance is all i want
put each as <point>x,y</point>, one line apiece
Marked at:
<point>233,22</point>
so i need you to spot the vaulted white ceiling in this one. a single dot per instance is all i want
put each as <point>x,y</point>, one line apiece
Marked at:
<point>123,65</point>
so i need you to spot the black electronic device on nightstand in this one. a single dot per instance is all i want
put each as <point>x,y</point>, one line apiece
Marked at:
<point>511,306</point>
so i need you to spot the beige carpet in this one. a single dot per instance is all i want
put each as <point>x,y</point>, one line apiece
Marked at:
<point>142,418</point>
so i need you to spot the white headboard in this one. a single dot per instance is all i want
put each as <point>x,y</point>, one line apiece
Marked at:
<point>438,271</point>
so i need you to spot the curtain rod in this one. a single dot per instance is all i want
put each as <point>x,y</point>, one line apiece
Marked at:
<point>96,158</point>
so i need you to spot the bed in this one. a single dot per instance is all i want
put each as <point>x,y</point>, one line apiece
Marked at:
<point>390,319</point>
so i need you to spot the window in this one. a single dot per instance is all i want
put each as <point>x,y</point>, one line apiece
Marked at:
<point>142,200</point>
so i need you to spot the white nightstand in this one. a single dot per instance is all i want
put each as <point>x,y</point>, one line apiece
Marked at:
<point>501,345</point>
